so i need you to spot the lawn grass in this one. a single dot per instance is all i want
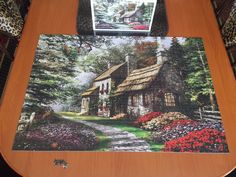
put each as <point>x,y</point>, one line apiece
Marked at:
<point>126,125</point>
<point>103,141</point>
<point>69,114</point>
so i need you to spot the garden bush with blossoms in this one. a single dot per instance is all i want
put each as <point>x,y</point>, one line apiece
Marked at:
<point>157,123</point>
<point>179,133</point>
<point>180,128</point>
<point>55,134</point>
<point>205,140</point>
<point>147,117</point>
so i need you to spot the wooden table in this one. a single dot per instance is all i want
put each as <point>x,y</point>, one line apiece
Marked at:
<point>189,18</point>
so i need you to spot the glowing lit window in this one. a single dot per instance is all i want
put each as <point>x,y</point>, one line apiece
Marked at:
<point>169,99</point>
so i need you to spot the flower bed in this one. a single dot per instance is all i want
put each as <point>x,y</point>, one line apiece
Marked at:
<point>159,122</point>
<point>59,135</point>
<point>206,140</point>
<point>180,128</point>
<point>140,27</point>
<point>177,123</point>
<point>147,117</point>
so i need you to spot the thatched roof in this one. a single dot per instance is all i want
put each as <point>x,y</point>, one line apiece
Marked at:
<point>129,14</point>
<point>89,92</point>
<point>108,72</point>
<point>139,79</point>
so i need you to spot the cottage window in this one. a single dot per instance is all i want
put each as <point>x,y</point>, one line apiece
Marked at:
<point>169,99</point>
<point>102,91</point>
<point>147,99</point>
<point>107,88</point>
<point>134,100</point>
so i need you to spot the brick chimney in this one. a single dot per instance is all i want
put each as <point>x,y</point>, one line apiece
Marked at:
<point>127,60</point>
<point>108,64</point>
<point>160,52</point>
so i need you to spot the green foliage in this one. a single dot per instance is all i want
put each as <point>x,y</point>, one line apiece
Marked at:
<point>54,68</point>
<point>147,12</point>
<point>101,9</point>
<point>93,105</point>
<point>143,50</point>
<point>103,141</point>
<point>176,56</point>
<point>74,97</point>
<point>99,62</point>
<point>192,59</point>
<point>110,53</point>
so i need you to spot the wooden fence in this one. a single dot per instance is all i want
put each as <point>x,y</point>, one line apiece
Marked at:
<point>207,114</point>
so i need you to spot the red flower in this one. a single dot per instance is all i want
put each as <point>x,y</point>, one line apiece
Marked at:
<point>140,27</point>
<point>147,117</point>
<point>205,140</point>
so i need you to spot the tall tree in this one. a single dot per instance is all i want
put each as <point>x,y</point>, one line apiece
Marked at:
<point>100,11</point>
<point>103,59</point>
<point>147,11</point>
<point>54,67</point>
<point>198,79</point>
<point>145,53</point>
<point>145,49</point>
<point>176,56</point>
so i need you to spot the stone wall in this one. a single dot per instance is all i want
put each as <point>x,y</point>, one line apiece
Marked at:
<point>85,105</point>
<point>172,79</point>
<point>138,109</point>
<point>103,109</point>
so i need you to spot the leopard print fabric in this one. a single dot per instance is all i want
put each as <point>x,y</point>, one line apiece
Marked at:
<point>11,21</point>
<point>229,28</point>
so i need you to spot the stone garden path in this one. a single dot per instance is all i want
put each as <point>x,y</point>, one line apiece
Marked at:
<point>120,140</point>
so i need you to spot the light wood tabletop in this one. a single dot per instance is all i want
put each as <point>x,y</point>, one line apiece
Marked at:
<point>188,18</point>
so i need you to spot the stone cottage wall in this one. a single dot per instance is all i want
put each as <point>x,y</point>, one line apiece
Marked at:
<point>85,105</point>
<point>104,110</point>
<point>139,109</point>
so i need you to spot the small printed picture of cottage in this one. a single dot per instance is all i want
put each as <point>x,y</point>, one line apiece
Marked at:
<point>123,15</point>
<point>117,93</point>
